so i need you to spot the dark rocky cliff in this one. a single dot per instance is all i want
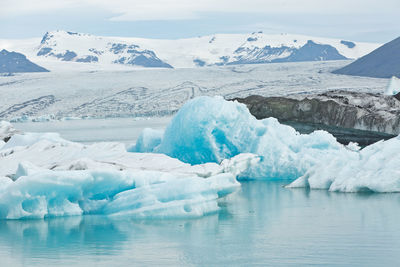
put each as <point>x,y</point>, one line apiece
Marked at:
<point>359,117</point>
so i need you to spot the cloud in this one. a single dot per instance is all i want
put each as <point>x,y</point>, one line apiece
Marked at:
<point>142,10</point>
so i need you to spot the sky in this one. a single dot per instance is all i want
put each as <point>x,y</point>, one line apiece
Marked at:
<point>356,20</point>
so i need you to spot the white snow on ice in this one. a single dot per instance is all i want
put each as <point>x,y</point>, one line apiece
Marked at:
<point>43,175</point>
<point>212,129</point>
<point>393,86</point>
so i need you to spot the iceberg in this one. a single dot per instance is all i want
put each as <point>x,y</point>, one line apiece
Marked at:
<point>139,194</point>
<point>372,169</point>
<point>6,131</point>
<point>393,86</point>
<point>211,129</point>
<point>43,175</point>
<point>147,141</point>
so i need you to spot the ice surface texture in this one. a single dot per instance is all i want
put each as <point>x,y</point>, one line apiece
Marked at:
<point>393,87</point>
<point>210,129</point>
<point>43,175</point>
<point>143,194</point>
<point>372,169</point>
<point>6,131</point>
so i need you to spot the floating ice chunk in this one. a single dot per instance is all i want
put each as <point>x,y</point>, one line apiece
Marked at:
<point>143,194</point>
<point>148,140</point>
<point>4,183</point>
<point>55,177</point>
<point>26,168</point>
<point>393,87</point>
<point>210,129</point>
<point>64,156</point>
<point>372,169</point>
<point>6,131</point>
<point>28,139</point>
<point>240,164</point>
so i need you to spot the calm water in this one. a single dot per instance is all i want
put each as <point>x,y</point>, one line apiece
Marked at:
<point>125,130</point>
<point>262,224</point>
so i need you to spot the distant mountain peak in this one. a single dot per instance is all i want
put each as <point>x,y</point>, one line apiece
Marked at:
<point>78,47</point>
<point>383,62</point>
<point>11,62</point>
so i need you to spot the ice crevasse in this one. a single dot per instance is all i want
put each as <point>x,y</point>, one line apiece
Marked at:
<point>211,129</point>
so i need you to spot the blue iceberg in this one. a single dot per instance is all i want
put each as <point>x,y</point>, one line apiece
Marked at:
<point>211,129</point>
<point>137,194</point>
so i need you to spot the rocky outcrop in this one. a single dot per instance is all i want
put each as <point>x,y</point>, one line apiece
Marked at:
<point>350,116</point>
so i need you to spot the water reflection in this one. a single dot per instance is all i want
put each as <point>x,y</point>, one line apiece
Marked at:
<point>262,224</point>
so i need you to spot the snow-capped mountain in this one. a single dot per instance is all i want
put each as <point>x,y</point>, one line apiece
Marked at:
<point>69,46</point>
<point>219,49</point>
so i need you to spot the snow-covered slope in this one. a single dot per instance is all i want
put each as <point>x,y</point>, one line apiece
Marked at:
<point>219,49</point>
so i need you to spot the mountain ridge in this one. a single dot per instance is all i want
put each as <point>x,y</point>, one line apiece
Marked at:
<point>212,50</point>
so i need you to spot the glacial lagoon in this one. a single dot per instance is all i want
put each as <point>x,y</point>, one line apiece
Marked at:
<point>263,224</point>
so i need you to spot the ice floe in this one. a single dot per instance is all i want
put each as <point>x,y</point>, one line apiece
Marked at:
<point>372,169</point>
<point>43,175</point>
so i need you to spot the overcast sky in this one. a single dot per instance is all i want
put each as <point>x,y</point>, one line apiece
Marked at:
<point>358,20</point>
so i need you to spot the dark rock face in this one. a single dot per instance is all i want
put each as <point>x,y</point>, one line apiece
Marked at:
<point>199,62</point>
<point>88,59</point>
<point>347,115</point>
<point>135,56</point>
<point>383,62</point>
<point>15,62</point>
<point>348,44</point>
<point>66,56</point>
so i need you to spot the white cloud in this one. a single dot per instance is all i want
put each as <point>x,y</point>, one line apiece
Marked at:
<point>133,10</point>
